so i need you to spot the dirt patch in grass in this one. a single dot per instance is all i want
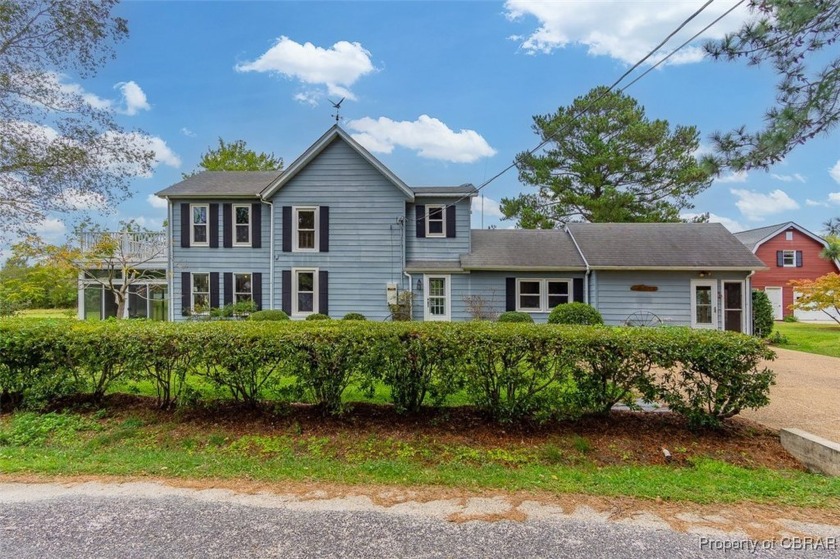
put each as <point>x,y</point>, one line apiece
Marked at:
<point>618,438</point>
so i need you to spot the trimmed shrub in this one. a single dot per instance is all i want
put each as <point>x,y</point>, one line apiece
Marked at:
<point>317,316</point>
<point>575,313</point>
<point>268,315</point>
<point>762,314</point>
<point>354,316</point>
<point>515,316</point>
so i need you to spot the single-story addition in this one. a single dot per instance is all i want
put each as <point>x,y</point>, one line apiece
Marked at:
<point>338,232</point>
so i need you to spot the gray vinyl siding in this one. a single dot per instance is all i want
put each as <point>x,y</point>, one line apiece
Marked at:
<point>365,236</point>
<point>438,248</point>
<point>491,286</point>
<point>671,302</point>
<point>221,260</point>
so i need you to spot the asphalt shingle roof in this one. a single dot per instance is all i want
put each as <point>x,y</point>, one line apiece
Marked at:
<point>222,183</point>
<point>666,245</point>
<point>751,237</point>
<point>521,248</point>
<point>463,189</point>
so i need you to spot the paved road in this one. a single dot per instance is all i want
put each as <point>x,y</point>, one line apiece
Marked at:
<point>806,395</point>
<point>46,521</point>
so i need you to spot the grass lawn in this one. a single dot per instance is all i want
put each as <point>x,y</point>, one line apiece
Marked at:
<point>823,339</point>
<point>610,457</point>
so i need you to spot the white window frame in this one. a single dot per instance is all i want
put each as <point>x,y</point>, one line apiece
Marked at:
<point>743,309</point>
<point>296,313</point>
<point>543,293</point>
<point>295,237</point>
<point>236,293</point>
<point>792,254</point>
<point>235,225</point>
<point>193,224</point>
<point>713,293</point>
<point>193,292</point>
<point>788,235</point>
<point>427,315</point>
<point>442,208</point>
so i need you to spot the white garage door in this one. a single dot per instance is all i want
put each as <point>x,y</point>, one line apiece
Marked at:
<point>811,316</point>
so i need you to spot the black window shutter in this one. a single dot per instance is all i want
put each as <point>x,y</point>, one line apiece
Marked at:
<point>450,221</point>
<point>286,291</point>
<point>227,225</point>
<point>213,222</point>
<point>186,292</point>
<point>228,288</point>
<point>798,258</point>
<point>577,290</point>
<point>287,229</point>
<point>510,294</point>
<point>324,229</point>
<point>214,290</point>
<point>186,223</point>
<point>256,225</point>
<point>323,292</point>
<point>256,287</point>
<point>420,213</point>
<point>780,258</point>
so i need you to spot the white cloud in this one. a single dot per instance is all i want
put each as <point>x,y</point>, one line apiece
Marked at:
<point>755,205</point>
<point>623,30</point>
<point>428,136</point>
<point>732,225</point>
<point>187,132</point>
<point>336,68</point>
<point>738,176</point>
<point>490,206</point>
<point>162,153</point>
<point>835,172</point>
<point>152,224</point>
<point>50,228</point>
<point>834,198</point>
<point>134,98</point>
<point>789,178</point>
<point>83,201</point>
<point>813,203</point>
<point>155,202</point>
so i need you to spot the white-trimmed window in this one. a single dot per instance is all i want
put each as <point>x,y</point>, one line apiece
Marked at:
<point>304,291</point>
<point>788,235</point>
<point>198,231</point>
<point>542,295</point>
<point>241,225</point>
<point>242,288</point>
<point>435,226</point>
<point>789,258</point>
<point>305,235</point>
<point>200,293</point>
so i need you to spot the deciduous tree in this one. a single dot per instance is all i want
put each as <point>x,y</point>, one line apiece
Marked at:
<point>605,161</point>
<point>236,156</point>
<point>821,294</point>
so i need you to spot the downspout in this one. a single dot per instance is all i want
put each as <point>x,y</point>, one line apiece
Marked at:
<point>588,269</point>
<point>270,252</point>
<point>170,264</point>
<point>401,221</point>
<point>748,301</point>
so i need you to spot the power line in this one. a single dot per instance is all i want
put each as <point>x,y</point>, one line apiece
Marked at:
<point>614,84</point>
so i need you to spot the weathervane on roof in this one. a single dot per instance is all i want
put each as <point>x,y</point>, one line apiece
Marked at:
<point>337,107</point>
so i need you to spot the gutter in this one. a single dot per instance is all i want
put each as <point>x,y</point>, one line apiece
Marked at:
<point>171,264</point>
<point>401,221</point>
<point>588,268</point>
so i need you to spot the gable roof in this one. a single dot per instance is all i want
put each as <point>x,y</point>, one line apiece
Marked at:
<point>210,184</point>
<point>754,238</point>
<point>446,191</point>
<point>512,249</point>
<point>674,246</point>
<point>334,133</point>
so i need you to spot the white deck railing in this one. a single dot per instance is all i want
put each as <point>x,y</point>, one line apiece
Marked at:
<point>133,245</point>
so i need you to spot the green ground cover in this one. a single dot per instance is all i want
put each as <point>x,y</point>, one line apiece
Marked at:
<point>822,339</point>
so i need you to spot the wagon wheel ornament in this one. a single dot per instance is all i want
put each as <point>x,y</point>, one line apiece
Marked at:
<point>642,318</point>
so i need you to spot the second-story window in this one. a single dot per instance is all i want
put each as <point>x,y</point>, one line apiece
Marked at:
<point>306,229</point>
<point>199,224</point>
<point>242,225</point>
<point>435,221</point>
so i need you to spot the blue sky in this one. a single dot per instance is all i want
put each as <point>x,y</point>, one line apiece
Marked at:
<point>440,92</point>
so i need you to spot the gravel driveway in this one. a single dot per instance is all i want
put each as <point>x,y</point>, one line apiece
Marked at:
<point>806,395</point>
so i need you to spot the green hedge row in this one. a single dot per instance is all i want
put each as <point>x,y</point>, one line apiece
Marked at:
<point>509,370</point>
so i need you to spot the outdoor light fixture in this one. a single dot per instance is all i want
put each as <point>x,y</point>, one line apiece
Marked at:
<point>419,285</point>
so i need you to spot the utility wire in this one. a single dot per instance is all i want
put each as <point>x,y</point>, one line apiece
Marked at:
<point>614,84</point>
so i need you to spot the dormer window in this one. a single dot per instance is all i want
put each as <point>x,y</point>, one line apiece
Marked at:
<point>435,226</point>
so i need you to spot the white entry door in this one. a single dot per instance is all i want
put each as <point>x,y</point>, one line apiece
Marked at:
<point>437,296</point>
<point>704,304</point>
<point>775,296</point>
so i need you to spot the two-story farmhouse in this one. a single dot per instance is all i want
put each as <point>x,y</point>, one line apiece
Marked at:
<point>790,252</point>
<point>338,232</point>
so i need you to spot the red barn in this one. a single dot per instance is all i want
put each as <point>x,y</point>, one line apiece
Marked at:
<point>791,252</point>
